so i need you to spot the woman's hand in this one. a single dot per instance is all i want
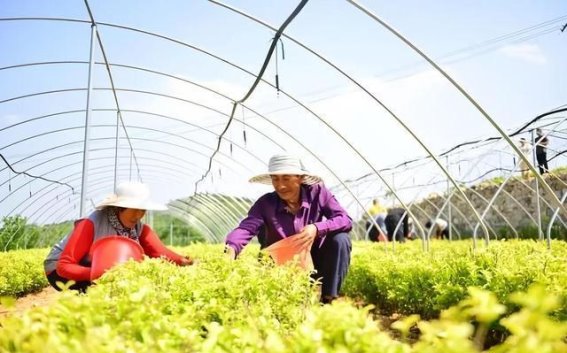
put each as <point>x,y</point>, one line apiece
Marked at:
<point>186,261</point>
<point>229,252</point>
<point>307,235</point>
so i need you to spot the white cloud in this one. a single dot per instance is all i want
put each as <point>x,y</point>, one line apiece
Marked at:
<point>527,52</point>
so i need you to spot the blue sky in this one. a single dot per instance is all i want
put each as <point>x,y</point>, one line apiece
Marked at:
<point>513,75</point>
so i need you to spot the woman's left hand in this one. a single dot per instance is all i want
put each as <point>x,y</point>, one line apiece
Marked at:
<point>186,261</point>
<point>307,234</point>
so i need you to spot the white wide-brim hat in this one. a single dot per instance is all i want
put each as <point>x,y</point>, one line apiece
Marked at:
<point>285,164</point>
<point>131,195</point>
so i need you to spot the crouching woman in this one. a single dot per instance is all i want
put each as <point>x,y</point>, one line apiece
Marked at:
<point>120,215</point>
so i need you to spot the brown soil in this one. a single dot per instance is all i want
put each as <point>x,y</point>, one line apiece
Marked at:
<point>386,322</point>
<point>45,297</point>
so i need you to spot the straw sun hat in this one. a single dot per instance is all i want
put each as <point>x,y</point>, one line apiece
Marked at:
<point>131,195</point>
<point>284,164</point>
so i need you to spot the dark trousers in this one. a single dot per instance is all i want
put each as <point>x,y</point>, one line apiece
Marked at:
<point>331,259</point>
<point>393,222</point>
<point>542,162</point>
<point>53,278</point>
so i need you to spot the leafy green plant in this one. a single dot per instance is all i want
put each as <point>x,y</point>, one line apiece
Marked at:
<point>252,306</point>
<point>12,230</point>
<point>411,281</point>
<point>21,272</point>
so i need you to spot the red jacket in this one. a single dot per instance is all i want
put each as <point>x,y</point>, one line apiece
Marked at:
<point>77,254</point>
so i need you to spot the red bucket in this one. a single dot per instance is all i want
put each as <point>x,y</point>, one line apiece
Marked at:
<point>113,250</point>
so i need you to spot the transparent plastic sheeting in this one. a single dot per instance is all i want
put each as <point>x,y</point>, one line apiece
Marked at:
<point>384,101</point>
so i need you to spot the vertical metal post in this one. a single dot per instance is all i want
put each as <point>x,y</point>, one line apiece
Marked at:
<point>150,218</point>
<point>449,194</point>
<point>130,170</point>
<point>393,188</point>
<point>116,148</point>
<point>538,209</point>
<point>393,205</point>
<point>87,126</point>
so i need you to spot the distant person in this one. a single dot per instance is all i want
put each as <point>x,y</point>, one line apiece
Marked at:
<point>440,228</point>
<point>376,208</point>
<point>119,214</point>
<point>541,142</point>
<point>397,224</point>
<point>300,206</point>
<point>412,234</point>
<point>526,149</point>
<point>378,213</point>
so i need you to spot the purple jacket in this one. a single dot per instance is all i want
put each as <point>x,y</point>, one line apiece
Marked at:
<point>318,206</point>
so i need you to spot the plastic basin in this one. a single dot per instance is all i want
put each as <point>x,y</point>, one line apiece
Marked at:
<point>112,250</point>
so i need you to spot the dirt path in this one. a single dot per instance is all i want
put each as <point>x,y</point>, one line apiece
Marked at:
<point>45,297</point>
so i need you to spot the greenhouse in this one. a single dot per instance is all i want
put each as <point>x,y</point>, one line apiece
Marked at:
<point>453,113</point>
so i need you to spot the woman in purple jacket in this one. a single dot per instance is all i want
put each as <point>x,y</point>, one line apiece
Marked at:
<point>300,205</point>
